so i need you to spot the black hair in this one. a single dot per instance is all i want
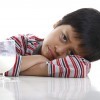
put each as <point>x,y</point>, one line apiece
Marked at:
<point>86,22</point>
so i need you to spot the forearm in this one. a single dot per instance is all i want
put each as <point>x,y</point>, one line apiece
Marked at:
<point>29,61</point>
<point>40,69</point>
<point>72,66</point>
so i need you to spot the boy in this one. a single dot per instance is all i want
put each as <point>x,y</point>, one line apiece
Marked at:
<point>62,52</point>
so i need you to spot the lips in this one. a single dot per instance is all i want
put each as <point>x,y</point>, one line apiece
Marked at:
<point>51,53</point>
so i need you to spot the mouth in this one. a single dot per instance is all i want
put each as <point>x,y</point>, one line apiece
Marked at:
<point>51,53</point>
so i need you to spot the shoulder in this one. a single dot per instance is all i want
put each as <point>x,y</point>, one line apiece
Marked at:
<point>34,37</point>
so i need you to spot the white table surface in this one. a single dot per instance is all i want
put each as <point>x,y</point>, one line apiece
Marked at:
<point>47,88</point>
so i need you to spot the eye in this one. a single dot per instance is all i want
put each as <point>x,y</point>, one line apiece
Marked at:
<point>64,37</point>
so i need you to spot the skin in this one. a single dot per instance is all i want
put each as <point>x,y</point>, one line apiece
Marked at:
<point>58,44</point>
<point>61,42</point>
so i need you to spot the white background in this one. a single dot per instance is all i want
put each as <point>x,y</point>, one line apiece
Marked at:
<point>38,16</point>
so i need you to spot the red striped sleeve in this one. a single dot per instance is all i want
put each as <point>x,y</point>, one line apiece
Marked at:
<point>60,68</point>
<point>17,40</point>
<point>16,69</point>
<point>82,66</point>
<point>23,41</point>
<point>68,71</point>
<point>74,66</point>
<point>30,47</point>
<point>53,68</point>
<point>82,69</point>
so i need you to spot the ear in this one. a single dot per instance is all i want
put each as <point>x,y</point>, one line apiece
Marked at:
<point>56,24</point>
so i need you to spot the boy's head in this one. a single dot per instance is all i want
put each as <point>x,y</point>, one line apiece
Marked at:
<point>85,28</point>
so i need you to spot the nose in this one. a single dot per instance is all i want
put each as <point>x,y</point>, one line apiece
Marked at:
<point>61,50</point>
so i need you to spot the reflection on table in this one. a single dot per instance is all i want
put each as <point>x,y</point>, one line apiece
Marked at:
<point>27,88</point>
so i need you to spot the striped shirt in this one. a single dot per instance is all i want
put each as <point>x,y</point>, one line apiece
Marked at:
<point>71,66</point>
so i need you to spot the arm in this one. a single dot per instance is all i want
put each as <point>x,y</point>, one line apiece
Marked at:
<point>24,46</point>
<point>70,66</point>
<point>23,63</point>
<point>31,60</point>
<point>40,69</point>
<point>73,66</point>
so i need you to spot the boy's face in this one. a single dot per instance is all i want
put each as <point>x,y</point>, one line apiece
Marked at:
<point>60,43</point>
